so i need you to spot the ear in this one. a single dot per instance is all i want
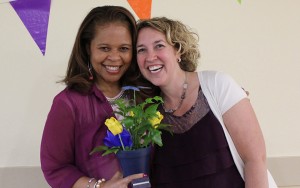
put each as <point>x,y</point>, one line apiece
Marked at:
<point>178,56</point>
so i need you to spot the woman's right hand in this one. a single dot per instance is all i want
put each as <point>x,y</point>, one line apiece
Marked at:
<point>117,181</point>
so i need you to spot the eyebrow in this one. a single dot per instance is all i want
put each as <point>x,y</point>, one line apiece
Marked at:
<point>106,44</point>
<point>155,42</point>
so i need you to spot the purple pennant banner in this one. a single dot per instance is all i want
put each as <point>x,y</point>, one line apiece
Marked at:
<point>5,1</point>
<point>35,16</point>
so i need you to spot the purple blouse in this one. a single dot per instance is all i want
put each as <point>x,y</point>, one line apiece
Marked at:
<point>74,126</point>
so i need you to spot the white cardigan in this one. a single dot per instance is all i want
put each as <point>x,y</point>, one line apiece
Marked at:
<point>222,92</point>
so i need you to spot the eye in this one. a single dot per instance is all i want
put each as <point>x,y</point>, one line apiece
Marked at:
<point>140,50</point>
<point>158,46</point>
<point>124,49</point>
<point>104,49</point>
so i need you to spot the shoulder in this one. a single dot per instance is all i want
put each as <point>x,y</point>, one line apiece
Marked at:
<point>209,74</point>
<point>66,94</point>
<point>69,97</point>
<point>221,88</point>
<point>215,78</point>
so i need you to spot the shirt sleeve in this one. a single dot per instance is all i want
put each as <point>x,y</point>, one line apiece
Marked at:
<point>57,146</point>
<point>221,90</point>
<point>228,91</point>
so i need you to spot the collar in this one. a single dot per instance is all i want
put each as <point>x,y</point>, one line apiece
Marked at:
<point>98,93</point>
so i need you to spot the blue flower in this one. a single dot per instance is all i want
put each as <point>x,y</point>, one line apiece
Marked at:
<point>135,88</point>
<point>130,87</point>
<point>114,141</point>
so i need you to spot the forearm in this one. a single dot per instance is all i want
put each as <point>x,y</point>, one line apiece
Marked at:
<point>256,174</point>
<point>63,178</point>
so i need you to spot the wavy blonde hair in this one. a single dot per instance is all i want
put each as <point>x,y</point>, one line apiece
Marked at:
<point>179,36</point>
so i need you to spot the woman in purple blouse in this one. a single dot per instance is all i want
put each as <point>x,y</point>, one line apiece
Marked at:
<point>103,59</point>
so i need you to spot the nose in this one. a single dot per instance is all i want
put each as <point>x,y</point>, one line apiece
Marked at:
<point>151,56</point>
<point>114,55</point>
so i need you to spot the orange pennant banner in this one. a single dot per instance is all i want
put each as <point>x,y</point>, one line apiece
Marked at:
<point>142,8</point>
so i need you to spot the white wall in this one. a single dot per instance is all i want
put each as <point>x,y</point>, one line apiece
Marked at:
<point>257,42</point>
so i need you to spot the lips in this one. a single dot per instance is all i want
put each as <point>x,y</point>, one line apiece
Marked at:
<point>155,68</point>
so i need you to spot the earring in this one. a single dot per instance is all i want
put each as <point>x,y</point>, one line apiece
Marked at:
<point>179,60</point>
<point>90,71</point>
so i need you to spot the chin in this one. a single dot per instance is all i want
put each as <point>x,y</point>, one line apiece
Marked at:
<point>155,82</point>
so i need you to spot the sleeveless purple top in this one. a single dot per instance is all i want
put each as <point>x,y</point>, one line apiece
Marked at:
<point>196,155</point>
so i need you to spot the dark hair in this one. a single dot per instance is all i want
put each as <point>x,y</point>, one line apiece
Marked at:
<point>77,76</point>
<point>179,36</point>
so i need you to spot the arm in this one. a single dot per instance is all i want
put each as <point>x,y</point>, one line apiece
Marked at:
<point>243,126</point>
<point>58,151</point>
<point>57,146</point>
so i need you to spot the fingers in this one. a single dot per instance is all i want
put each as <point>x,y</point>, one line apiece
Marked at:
<point>117,181</point>
<point>128,179</point>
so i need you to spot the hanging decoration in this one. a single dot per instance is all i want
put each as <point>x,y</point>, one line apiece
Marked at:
<point>35,16</point>
<point>142,8</point>
<point>5,1</point>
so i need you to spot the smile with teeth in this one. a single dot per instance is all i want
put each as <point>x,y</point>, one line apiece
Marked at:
<point>112,68</point>
<point>155,68</point>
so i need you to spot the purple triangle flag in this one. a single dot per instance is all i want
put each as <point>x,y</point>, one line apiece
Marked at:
<point>5,1</point>
<point>35,16</point>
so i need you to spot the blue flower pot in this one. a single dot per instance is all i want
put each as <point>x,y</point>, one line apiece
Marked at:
<point>135,161</point>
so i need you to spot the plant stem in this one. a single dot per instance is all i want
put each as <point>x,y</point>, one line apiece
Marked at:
<point>121,142</point>
<point>134,101</point>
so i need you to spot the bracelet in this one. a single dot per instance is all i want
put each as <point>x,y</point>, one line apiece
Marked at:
<point>89,182</point>
<point>98,183</point>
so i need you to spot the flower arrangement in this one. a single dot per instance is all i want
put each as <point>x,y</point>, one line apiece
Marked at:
<point>140,126</point>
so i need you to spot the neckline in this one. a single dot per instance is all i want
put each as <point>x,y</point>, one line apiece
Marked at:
<point>119,95</point>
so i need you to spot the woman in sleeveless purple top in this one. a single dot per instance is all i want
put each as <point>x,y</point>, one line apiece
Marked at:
<point>198,153</point>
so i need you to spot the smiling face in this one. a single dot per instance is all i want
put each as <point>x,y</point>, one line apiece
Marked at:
<point>157,59</point>
<point>111,52</point>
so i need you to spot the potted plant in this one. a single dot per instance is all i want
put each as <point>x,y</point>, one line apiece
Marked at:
<point>131,137</point>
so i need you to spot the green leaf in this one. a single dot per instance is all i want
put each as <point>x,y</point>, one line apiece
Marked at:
<point>152,109</point>
<point>156,137</point>
<point>239,1</point>
<point>122,104</point>
<point>158,99</point>
<point>111,150</point>
<point>149,101</point>
<point>99,149</point>
<point>164,126</point>
<point>147,141</point>
<point>128,122</point>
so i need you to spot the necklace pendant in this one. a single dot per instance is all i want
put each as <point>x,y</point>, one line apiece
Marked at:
<point>171,111</point>
<point>182,97</point>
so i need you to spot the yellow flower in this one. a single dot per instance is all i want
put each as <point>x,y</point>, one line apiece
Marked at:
<point>114,125</point>
<point>156,120</point>
<point>131,113</point>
